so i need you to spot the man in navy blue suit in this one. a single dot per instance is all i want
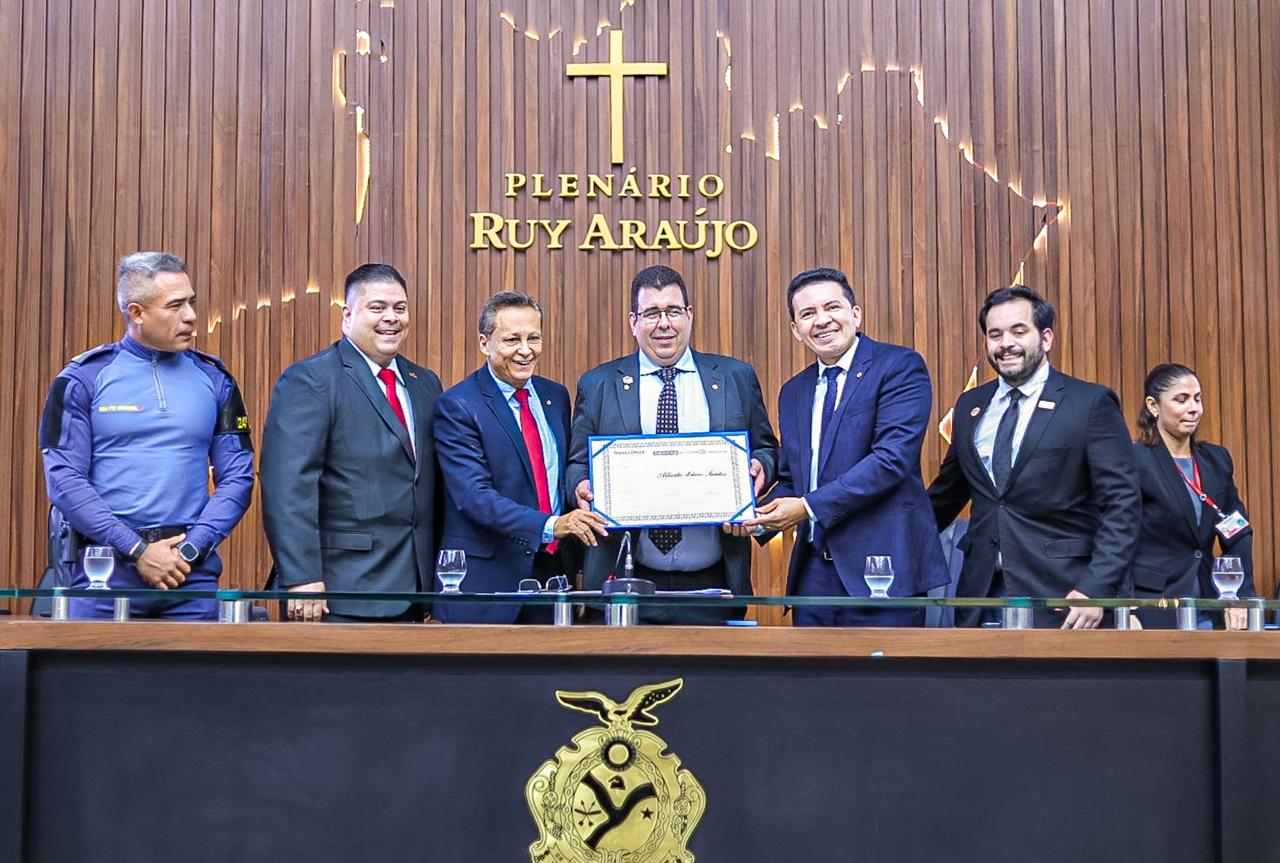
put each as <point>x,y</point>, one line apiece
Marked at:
<point>849,469</point>
<point>500,439</point>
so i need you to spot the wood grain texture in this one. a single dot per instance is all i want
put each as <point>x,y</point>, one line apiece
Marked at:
<point>764,642</point>
<point>912,143</point>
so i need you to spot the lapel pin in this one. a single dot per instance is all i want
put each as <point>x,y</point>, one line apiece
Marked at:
<point>1047,406</point>
<point>975,412</point>
<point>548,402</point>
<point>413,375</point>
<point>715,386</point>
<point>858,375</point>
<point>627,380</point>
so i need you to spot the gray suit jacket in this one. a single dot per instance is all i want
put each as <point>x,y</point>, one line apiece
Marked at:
<point>345,498</point>
<point>605,405</point>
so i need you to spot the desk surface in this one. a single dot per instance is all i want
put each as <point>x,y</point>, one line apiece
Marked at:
<point>20,633</point>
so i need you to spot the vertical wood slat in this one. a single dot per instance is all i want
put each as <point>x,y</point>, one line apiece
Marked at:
<point>213,130</point>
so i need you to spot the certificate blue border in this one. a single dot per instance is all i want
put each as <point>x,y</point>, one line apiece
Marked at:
<point>731,436</point>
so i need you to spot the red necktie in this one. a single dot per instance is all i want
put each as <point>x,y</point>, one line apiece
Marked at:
<point>388,377</point>
<point>533,444</point>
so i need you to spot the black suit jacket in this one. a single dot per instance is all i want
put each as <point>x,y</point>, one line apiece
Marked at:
<point>1068,518</point>
<point>1175,552</point>
<point>345,497</point>
<point>607,405</point>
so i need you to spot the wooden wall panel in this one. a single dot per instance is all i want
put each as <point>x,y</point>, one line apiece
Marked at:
<point>1123,155</point>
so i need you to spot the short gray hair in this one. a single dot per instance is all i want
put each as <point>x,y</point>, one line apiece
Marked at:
<point>504,300</point>
<point>137,276</point>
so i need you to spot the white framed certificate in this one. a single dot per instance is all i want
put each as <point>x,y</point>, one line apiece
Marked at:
<point>672,480</point>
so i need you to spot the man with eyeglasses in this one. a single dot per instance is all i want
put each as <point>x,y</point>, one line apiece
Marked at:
<point>666,387</point>
<point>501,435</point>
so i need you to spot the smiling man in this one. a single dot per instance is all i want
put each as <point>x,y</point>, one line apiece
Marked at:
<point>852,425</point>
<point>129,432</point>
<point>666,387</point>
<point>502,437</point>
<point>1046,460</point>
<point>348,463</point>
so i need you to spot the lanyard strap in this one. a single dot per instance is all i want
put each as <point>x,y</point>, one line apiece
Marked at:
<point>1196,486</point>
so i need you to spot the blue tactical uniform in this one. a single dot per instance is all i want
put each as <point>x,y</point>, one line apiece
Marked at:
<point>128,435</point>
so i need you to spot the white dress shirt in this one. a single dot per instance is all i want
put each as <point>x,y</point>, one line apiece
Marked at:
<point>984,438</point>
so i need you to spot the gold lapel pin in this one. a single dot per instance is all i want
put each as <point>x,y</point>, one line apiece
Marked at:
<point>975,412</point>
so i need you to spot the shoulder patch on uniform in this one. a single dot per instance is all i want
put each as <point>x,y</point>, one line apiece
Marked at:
<point>51,419</point>
<point>100,350</point>
<point>210,359</point>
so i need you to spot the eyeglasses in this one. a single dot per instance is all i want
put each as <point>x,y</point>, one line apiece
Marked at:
<point>673,314</point>
<point>555,584</point>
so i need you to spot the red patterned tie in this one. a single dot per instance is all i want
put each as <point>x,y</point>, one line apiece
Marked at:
<point>533,444</point>
<point>388,377</point>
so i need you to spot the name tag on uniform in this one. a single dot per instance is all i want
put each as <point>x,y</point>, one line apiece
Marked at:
<point>1231,525</point>
<point>1047,406</point>
<point>119,409</point>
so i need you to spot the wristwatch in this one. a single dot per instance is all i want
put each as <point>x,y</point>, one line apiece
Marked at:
<point>189,552</point>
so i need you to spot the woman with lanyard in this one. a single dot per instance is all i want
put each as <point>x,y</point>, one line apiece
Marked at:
<point>1189,499</point>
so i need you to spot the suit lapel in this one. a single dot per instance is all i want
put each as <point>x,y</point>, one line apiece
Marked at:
<point>975,421</point>
<point>712,377</point>
<point>862,359</point>
<point>358,370</point>
<point>1040,419</point>
<point>501,411</point>
<point>627,390</point>
<point>557,430</point>
<point>417,390</point>
<point>809,388</point>
<point>1176,488</point>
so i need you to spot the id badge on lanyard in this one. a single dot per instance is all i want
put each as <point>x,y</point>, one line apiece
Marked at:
<point>1228,524</point>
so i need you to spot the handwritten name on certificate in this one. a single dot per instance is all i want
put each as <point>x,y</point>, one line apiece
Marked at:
<point>672,480</point>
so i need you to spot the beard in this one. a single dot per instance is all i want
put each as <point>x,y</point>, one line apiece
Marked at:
<point>1031,360</point>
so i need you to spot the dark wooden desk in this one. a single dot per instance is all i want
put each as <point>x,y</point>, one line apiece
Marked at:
<point>168,741</point>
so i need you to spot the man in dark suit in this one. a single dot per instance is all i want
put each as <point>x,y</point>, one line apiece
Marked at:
<point>849,469</point>
<point>665,387</point>
<point>501,438</point>
<point>348,463</point>
<point>1047,462</point>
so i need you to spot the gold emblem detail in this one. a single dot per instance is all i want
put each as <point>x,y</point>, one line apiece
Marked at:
<point>627,380</point>
<point>615,793</point>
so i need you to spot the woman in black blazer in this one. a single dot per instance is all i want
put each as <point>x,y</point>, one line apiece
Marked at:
<point>1175,545</point>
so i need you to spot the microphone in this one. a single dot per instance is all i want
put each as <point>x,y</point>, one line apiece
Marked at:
<point>628,566</point>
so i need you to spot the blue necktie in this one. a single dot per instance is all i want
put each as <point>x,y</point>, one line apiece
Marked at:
<point>666,538</point>
<point>832,374</point>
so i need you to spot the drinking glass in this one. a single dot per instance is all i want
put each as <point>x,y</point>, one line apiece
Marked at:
<point>1228,575</point>
<point>99,563</point>
<point>879,574</point>
<point>451,569</point>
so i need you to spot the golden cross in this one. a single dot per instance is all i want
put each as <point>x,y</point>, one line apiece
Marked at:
<point>617,70</point>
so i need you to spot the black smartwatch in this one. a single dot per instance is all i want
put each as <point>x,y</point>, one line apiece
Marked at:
<point>188,552</point>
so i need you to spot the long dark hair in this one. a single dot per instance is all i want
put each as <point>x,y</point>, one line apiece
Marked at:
<point>1158,382</point>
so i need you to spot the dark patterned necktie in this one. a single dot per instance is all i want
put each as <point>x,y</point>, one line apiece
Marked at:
<point>1002,452</point>
<point>666,538</point>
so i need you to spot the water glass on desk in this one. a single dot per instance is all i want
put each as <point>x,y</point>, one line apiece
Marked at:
<point>879,574</point>
<point>451,569</point>
<point>99,563</point>
<point>1228,575</point>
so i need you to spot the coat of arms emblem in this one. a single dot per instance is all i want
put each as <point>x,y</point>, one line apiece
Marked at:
<point>614,794</point>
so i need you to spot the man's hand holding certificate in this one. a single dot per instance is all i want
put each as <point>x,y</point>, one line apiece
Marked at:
<point>672,480</point>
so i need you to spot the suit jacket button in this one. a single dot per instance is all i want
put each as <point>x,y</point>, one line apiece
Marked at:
<point>527,552</point>
<point>1199,554</point>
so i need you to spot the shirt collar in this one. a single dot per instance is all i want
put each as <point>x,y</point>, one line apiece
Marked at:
<point>1031,389</point>
<point>507,390</point>
<point>845,361</point>
<point>138,349</point>
<point>374,368</point>
<point>684,364</point>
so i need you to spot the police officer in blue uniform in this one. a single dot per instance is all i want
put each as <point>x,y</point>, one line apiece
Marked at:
<point>128,434</point>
